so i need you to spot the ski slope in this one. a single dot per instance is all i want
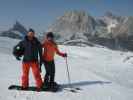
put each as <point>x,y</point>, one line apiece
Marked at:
<point>101,73</point>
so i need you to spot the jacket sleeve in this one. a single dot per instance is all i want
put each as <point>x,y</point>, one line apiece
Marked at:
<point>19,47</point>
<point>58,52</point>
<point>21,44</point>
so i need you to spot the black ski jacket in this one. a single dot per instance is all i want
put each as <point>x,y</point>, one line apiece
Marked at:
<point>32,48</point>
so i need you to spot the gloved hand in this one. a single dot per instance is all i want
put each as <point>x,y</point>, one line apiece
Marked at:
<point>65,55</point>
<point>18,58</point>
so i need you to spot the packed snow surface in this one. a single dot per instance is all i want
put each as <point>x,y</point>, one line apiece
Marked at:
<point>101,73</point>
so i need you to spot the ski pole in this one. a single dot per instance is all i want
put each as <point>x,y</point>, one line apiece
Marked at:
<point>68,74</point>
<point>72,89</point>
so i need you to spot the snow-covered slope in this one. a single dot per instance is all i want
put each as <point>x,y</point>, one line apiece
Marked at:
<point>7,44</point>
<point>102,74</point>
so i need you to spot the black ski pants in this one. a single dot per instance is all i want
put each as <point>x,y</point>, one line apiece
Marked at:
<point>50,71</point>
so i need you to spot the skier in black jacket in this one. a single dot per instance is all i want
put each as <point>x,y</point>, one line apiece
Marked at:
<point>30,48</point>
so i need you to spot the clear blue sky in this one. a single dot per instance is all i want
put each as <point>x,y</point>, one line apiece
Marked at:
<point>39,14</point>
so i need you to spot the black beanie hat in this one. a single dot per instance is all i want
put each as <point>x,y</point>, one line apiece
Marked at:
<point>50,34</point>
<point>31,30</point>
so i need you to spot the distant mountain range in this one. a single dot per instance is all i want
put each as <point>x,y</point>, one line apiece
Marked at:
<point>81,23</point>
<point>108,30</point>
<point>18,31</point>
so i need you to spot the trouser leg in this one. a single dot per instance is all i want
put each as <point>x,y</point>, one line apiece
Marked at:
<point>52,71</point>
<point>47,74</point>
<point>25,74</point>
<point>36,73</point>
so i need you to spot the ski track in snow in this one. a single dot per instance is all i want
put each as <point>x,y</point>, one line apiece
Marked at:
<point>101,73</point>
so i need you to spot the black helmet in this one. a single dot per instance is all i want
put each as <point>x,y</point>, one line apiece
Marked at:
<point>18,51</point>
<point>50,34</point>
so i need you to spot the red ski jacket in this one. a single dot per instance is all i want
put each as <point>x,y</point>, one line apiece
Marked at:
<point>50,49</point>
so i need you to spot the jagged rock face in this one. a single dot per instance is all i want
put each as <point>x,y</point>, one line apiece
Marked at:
<point>73,22</point>
<point>109,30</point>
<point>20,28</point>
<point>111,21</point>
<point>17,31</point>
<point>109,17</point>
<point>78,24</point>
<point>125,29</point>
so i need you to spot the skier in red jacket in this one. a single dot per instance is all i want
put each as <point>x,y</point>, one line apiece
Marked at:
<point>50,49</point>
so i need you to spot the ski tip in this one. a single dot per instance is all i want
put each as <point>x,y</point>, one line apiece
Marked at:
<point>78,88</point>
<point>74,91</point>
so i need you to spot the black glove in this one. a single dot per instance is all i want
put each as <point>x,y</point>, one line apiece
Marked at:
<point>18,58</point>
<point>65,55</point>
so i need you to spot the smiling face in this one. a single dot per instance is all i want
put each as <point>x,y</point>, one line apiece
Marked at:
<point>30,35</point>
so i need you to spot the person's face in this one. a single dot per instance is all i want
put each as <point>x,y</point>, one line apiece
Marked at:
<point>30,34</point>
<point>49,38</point>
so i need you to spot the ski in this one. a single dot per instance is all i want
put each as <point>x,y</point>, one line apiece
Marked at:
<point>71,89</point>
<point>33,88</point>
<point>57,89</point>
<point>78,88</point>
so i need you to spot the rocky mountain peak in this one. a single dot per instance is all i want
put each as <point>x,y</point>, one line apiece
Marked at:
<point>19,27</point>
<point>73,22</point>
<point>18,31</point>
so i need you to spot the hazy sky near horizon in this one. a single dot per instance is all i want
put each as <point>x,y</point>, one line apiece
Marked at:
<point>39,14</point>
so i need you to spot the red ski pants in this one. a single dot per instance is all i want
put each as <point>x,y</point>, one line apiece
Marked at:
<point>36,73</point>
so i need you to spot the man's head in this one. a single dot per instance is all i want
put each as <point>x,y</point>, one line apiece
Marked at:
<point>31,33</point>
<point>50,36</point>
